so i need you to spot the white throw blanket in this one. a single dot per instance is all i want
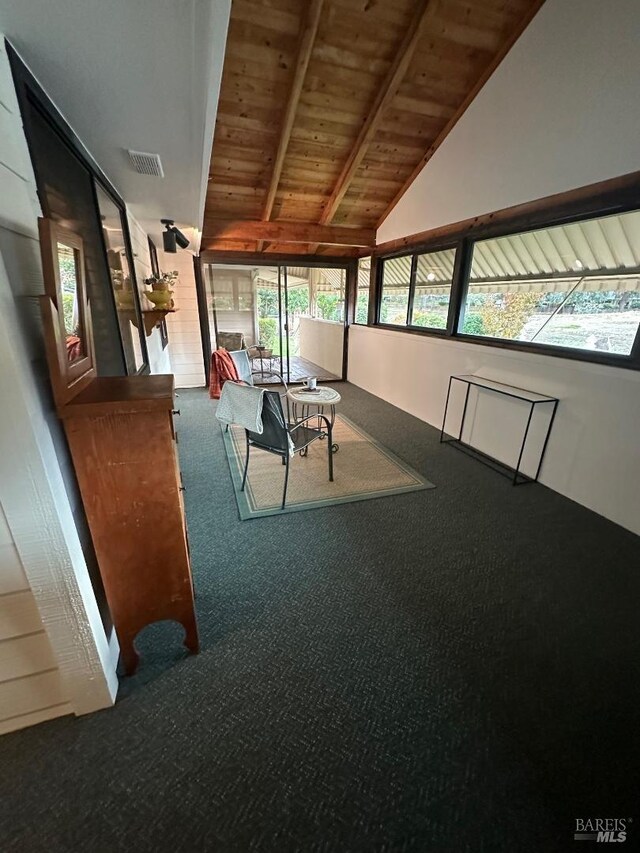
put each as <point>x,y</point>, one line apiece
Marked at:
<point>241,404</point>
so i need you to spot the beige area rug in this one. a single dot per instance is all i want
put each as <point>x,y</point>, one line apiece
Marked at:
<point>362,469</point>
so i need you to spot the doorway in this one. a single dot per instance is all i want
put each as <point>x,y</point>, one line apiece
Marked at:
<point>290,318</point>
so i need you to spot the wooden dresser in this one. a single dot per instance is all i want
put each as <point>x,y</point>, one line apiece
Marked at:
<point>123,442</point>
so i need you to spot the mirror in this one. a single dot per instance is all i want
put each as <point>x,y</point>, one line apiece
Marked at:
<point>65,311</point>
<point>71,308</point>
<point>126,291</point>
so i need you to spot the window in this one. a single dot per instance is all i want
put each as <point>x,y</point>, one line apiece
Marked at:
<point>396,280</point>
<point>362,293</point>
<point>326,292</point>
<point>432,291</point>
<point>575,286</point>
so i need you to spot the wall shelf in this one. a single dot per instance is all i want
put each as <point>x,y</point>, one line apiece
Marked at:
<point>151,317</point>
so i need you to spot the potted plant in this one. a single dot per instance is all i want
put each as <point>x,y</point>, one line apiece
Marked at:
<point>161,289</point>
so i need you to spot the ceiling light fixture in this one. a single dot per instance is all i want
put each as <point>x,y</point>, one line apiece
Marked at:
<point>172,236</point>
<point>431,277</point>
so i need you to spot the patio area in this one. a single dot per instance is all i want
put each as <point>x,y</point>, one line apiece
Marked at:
<point>299,369</point>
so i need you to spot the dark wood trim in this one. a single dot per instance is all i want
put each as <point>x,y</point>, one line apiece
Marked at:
<point>286,232</point>
<point>455,118</point>
<point>616,195</point>
<point>266,259</point>
<point>203,316</point>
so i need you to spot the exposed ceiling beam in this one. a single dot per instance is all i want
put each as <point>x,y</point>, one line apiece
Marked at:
<point>286,232</point>
<point>220,255</point>
<point>386,93</point>
<point>302,63</point>
<point>455,118</point>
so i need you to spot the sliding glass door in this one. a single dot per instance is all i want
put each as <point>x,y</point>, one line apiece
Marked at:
<point>290,319</point>
<point>315,321</point>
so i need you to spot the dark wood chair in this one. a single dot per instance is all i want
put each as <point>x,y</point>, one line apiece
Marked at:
<point>284,439</point>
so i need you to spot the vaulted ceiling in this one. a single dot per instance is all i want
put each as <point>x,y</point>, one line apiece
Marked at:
<point>329,109</point>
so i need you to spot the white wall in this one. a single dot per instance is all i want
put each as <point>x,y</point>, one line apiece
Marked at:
<point>560,112</point>
<point>593,455</point>
<point>54,653</point>
<point>321,341</point>
<point>140,74</point>
<point>31,686</point>
<point>185,342</point>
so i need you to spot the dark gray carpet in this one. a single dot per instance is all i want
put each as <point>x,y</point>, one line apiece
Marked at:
<point>448,670</point>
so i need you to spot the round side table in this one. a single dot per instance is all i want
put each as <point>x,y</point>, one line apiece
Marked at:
<point>302,400</point>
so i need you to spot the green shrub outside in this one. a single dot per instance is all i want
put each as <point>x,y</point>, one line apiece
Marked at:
<point>473,324</point>
<point>268,328</point>
<point>429,320</point>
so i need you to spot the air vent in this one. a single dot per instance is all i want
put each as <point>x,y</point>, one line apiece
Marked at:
<point>146,164</point>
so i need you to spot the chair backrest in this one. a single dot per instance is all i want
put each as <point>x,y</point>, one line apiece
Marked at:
<point>230,340</point>
<point>243,365</point>
<point>274,435</point>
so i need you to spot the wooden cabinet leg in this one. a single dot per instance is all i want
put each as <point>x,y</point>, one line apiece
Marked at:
<point>191,640</point>
<point>130,656</point>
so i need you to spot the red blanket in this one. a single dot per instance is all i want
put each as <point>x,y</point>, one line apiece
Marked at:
<point>222,368</point>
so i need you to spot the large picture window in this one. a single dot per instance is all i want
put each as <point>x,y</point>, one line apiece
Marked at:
<point>575,286</point>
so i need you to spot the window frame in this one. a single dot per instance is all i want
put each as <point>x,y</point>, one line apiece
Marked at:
<point>410,285</point>
<point>357,290</point>
<point>445,247</point>
<point>617,196</point>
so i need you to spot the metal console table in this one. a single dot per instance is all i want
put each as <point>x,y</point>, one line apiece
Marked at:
<point>508,391</point>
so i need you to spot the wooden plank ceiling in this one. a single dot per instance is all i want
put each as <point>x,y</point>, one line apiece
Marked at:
<point>329,109</point>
